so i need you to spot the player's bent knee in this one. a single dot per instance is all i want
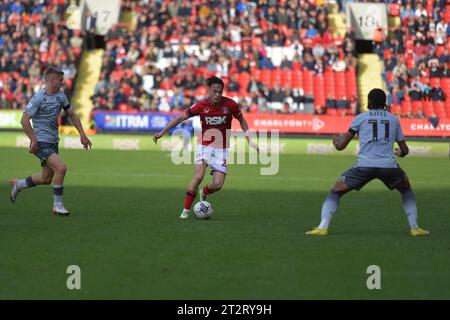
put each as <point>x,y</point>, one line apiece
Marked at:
<point>340,186</point>
<point>62,169</point>
<point>403,188</point>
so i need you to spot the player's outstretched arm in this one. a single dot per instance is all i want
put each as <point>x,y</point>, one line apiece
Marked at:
<point>77,124</point>
<point>244,127</point>
<point>28,129</point>
<point>403,149</point>
<point>172,124</point>
<point>341,141</point>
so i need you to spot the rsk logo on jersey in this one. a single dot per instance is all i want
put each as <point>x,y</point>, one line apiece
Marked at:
<point>215,120</point>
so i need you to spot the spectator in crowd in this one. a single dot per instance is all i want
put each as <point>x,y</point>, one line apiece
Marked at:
<point>437,94</point>
<point>342,103</point>
<point>233,85</point>
<point>330,102</point>
<point>277,97</point>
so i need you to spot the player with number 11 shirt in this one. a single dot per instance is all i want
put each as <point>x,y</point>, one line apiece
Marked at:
<point>377,130</point>
<point>216,114</point>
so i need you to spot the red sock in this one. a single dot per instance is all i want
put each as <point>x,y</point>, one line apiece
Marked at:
<point>190,197</point>
<point>206,190</point>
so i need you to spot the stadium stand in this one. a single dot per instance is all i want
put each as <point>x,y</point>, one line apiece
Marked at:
<point>272,56</point>
<point>32,36</point>
<point>416,59</point>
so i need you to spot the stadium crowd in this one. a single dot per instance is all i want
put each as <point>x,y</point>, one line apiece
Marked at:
<point>417,59</point>
<point>267,52</point>
<point>274,56</point>
<point>32,35</point>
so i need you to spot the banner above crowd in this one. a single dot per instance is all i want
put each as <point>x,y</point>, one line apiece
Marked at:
<point>321,124</point>
<point>285,123</point>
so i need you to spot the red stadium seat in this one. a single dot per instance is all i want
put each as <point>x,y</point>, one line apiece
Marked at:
<point>256,73</point>
<point>445,83</point>
<point>276,77</point>
<point>435,82</point>
<point>286,78</point>
<point>395,109</point>
<point>438,105</point>
<point>351,83</point>
<point>297,79</point>
<point>427,104</point>
<point>428,109</point>
<point>447,13</point>
<point>416,106</point>
<point>447,107</point>
<point>244,80</point>
<point>441,113</point>
<point>296,66</point>
<point>308,81</point>
<point>340,84</point>
<point>265,77</point>
<point>329,84</point>
<point>201,91</point>
<point>319,90</point>
<point>406,107</point>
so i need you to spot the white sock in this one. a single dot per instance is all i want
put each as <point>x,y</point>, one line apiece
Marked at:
<point>21,184</point>
<point>57,194</point>
<point>25,183</point>
<point>329,207</point>
<point>410,208</point>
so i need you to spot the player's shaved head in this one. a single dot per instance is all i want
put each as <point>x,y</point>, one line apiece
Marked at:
<point>377,99</point>
<point>52,71</point>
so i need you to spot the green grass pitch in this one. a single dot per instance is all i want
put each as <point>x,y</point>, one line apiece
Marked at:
<point>125,235</point>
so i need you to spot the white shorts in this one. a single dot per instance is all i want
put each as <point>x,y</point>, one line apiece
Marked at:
<point>216,158</point>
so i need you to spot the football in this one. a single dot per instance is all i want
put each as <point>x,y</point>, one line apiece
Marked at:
<point>203,210</point>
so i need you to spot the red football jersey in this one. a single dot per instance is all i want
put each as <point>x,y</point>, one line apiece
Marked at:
<point>216,120</point>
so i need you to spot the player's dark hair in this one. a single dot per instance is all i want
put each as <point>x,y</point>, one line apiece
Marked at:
<point>214,80</point>
<point>52,70</point>
<point>377,99</point>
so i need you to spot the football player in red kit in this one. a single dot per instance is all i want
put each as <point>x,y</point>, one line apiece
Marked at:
<point>216,113</point>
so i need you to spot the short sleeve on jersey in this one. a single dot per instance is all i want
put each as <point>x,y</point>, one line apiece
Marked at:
<point>66,104</point>
<point>33,106</point>
<point>354,126</point>
<point>236,111</point>
<point>194,110</point>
